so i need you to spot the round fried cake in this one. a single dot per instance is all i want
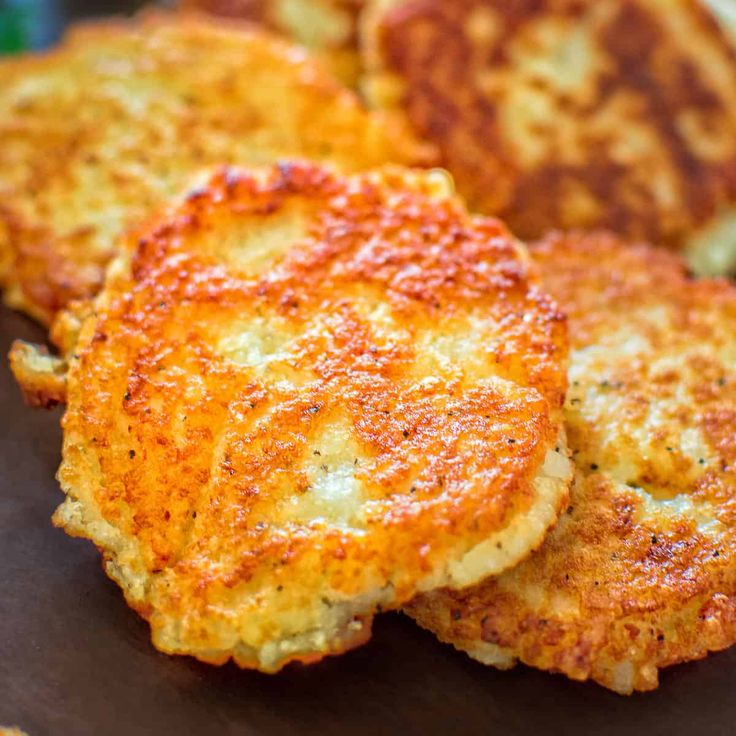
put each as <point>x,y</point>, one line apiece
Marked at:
<point>328,28</point>
<point>122,115</point>
<point>640,572</point>
<point>302,398</point>
<point>616,114</point>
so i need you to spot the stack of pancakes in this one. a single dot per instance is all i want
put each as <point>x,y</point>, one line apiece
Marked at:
<point>309,376</point>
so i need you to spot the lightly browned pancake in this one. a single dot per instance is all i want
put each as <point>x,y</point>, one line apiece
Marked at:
<point>124,114</point>
<point>640,573</point>
<point>328,28</point>
<point>615,114</point>
<point>302,398</point>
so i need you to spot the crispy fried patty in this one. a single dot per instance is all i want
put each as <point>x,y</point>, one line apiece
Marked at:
<point>122,115</point>
<point>302,398</point>
<point>616,114</point>
<point>640,572</point>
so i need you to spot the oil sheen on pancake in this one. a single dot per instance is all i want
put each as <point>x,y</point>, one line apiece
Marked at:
<point>640,572</point>
<point>123,114</point>
<point>615,114</point>
<point>302,398</point>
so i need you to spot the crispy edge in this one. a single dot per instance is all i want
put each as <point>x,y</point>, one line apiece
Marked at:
<point>597,648</point>
<point>40,375</point>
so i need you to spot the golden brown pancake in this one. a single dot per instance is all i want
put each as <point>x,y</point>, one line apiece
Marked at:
<point>302,398</point>
<point>124,114</point>
<point>616,114</point>
<point>640,572</point>
<point>328,28</point>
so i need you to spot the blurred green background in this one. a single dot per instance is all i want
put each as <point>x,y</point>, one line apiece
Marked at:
<point>26,24</point>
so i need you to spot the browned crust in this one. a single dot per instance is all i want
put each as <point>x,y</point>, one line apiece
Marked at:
<point>201,502</point>
<point>625,586</point>
<point>81,163</point>
<point>644,144</point>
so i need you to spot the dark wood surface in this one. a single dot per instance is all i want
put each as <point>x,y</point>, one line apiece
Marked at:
<point>75,660</point>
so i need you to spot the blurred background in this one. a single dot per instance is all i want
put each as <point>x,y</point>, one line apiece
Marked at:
<point>37,23</point>
<point>30,24</point>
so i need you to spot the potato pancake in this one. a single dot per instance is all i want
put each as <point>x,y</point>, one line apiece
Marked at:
<point>640,572</point>
<point>328,28</point>
<point>300,399</point>
<point>615,114</point>
<point>119,118</point>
